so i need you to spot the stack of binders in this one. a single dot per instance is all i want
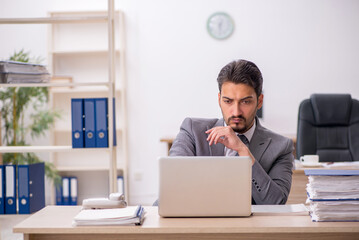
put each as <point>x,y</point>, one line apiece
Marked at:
<point>66,194</point>
<point>333,194</point>
<point>90,122</point>
<point>30,194</point>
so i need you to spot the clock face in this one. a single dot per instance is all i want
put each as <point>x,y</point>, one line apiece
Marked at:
<point>220,25</point>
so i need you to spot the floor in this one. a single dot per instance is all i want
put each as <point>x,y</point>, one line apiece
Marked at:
<point>7,222</point>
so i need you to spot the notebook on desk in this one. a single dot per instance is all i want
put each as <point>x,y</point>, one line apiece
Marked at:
<point>205,186</point>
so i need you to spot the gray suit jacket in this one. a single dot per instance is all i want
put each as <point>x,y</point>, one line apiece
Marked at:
<point>272,170</point>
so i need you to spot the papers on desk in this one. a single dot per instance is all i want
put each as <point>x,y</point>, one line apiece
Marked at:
<point>342,165</point>
<point>333,194</point>
<point>335,211</point>
<point>329,165</point>
<point>272,210</point>
<point>117,216</point>
<point>333,188</point>
<point>333,184</point>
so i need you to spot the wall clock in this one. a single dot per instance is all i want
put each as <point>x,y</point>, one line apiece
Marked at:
<point>220,25</point>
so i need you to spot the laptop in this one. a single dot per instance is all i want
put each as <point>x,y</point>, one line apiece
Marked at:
<point>205,186</point>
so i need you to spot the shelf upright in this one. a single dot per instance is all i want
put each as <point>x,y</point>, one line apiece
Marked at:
<point>111,62</point>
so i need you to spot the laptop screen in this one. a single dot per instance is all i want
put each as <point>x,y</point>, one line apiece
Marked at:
<point>205,186</point>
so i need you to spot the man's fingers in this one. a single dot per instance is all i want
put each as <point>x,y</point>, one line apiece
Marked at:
<point>209,130</point>
<point>215,136</point>
<point>209,138</point>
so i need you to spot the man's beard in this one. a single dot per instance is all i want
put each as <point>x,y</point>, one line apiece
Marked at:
<point>237,128</point>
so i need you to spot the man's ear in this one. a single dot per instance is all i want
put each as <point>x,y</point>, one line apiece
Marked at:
<point>260,102</point>
<point>219,98</point>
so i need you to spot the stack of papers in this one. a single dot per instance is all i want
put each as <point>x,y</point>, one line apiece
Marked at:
<point>342,165</point>
<point>334,211</point>
<point>117,216</point>
<point>333,194</point>
<point>19,72</point>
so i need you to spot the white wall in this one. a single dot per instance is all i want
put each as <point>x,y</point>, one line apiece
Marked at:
<point>301,47</point>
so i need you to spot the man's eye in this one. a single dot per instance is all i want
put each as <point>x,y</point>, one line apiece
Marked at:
<point>227,101</point>
<point>246,102</point>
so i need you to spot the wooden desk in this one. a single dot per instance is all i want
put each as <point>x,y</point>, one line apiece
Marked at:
<point>54,222</point>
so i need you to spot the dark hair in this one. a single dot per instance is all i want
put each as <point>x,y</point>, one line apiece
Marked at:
<point>241,71</point>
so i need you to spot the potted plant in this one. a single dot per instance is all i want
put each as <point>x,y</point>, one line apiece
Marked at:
<point>17,122</point>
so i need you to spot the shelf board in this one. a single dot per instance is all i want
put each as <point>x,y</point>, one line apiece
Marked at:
<point>90,90</point>
<point>49,84</point>
<point>24,149</point>
<point>83,168</point>
<point>82,52</point>
<point>62,130</point>
<point>53,20</point>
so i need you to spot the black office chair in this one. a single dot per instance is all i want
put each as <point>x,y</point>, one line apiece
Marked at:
<point>328,126</point>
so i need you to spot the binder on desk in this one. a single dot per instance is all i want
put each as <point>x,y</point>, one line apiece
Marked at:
<point>73,190</point>
<point>2,205</point>
<point>31,187</point>
<point>65,191</point>
<point>77,113</point>
<point>89,112</point>
<point>101,122</point>
<point>10,189</point>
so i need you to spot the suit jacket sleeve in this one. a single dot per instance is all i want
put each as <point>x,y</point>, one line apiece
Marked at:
<point>184,144</point>
<point>273,186</point>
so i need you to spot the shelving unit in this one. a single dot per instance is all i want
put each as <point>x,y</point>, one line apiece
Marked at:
<point>96,64</point>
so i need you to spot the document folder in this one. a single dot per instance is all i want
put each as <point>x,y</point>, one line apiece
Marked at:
<point>58,190</point>
<point>31,187</point>
<point>2,206</point>
<point>114,122</point>
<point>89,110</point>
<point>77,113</point>
<point>101,122</point>
<point>10,189</point>
<point>120,185</point>
<point>65,191</point>
<point>331,172</point>
<point>73,190</point>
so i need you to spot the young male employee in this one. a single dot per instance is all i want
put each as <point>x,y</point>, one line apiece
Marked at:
<point>239,132</point>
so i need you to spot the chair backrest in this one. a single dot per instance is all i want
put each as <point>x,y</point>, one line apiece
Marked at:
<point>328,126</point>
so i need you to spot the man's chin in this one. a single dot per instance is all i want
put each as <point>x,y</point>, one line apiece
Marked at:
<point>238,128</point>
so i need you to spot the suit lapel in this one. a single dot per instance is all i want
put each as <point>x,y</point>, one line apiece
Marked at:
<point>259,142</point>
<point>216,149</point>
